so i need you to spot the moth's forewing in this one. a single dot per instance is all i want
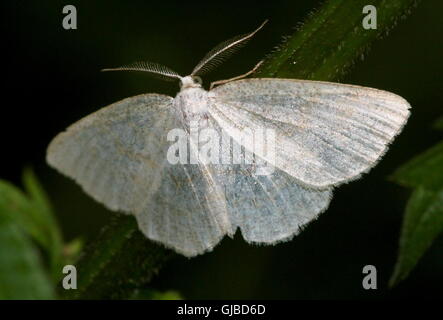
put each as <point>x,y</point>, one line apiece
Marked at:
<point>326,133</point>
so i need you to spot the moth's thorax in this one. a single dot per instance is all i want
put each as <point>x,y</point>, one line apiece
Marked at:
<point>192,103</point>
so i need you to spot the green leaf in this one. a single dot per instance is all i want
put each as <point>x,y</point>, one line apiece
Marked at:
<point>45,218</point>
<point>21,273</point>
<point>423,222</point>
<point>424,170</point>
<point>16,206</point>
<point>323,48</point>
<point>117,263</point>
<point>331,39</point>
<point>33,213</point>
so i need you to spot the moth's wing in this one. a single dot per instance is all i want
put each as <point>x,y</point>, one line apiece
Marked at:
<point>116,153</point>
<point>188,211</point>
<point>267,204</point>
<point>326,133</point>
<point>272,208</point>
<point>119,157</point>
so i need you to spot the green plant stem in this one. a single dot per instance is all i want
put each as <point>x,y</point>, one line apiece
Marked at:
<point>331,39</point>
<point>118,262</point>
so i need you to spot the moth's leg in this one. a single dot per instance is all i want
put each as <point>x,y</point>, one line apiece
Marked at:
<point>219,82</point>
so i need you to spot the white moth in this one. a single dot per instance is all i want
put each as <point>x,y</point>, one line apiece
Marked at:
<point>325,134</point>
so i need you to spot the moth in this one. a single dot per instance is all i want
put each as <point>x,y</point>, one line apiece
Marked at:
<point>324,134</point>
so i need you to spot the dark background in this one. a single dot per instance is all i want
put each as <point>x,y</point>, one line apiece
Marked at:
<point>51,79</point>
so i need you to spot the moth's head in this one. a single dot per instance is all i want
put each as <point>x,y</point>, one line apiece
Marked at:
<point>190,82</point>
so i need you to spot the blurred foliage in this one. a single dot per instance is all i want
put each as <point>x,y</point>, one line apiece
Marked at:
<point>42,221</point>
<point>423,220</point>
<point>22,276</point>
<point>423,170</point>
<point>32,213</point>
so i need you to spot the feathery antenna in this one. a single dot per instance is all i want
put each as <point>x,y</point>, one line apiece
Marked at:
<point>223,51</point>
<point>153,68</point>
